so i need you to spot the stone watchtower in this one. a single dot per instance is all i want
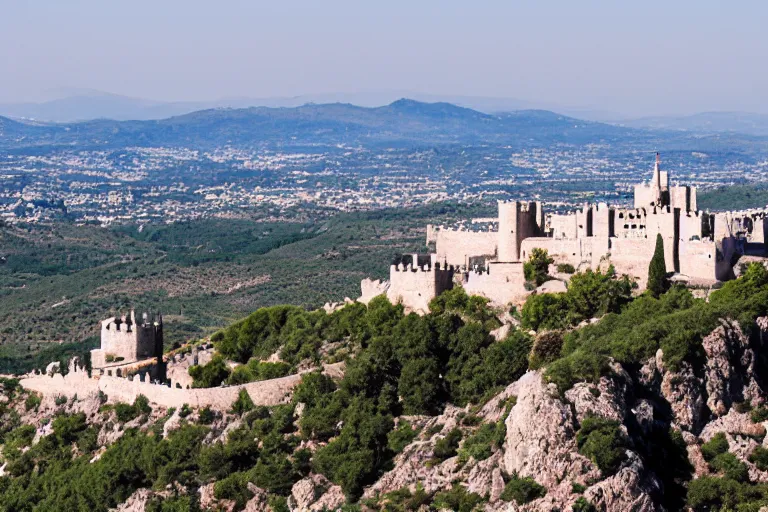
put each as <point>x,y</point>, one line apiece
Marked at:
<point>125,341</point>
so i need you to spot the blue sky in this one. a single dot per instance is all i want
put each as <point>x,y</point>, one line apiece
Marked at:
<point>636,58</point>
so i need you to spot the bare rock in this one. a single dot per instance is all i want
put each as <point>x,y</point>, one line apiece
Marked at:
<point>650,373</point>
<point>643,412</point>
<point>414,465</point>
<point>332,499</point>
<point>495,408</point>
<point>552,286</point>
<point>481,476</point>
<point>700,466</point>
<point>540,440</point>
<point>172,423</point>
<point>607,399</point>
<point>52,368</point>
<point>683,391</point>
<point>136,502</point>
<point>733,423</point>
<point>501,333</point>
<point>729,369</point>
<point>259,502</point>
<point>315,492</point>
<point>628,489</point>
<point>209,502</point>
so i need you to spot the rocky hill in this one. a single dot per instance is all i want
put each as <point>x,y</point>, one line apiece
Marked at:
<point>658,405</point>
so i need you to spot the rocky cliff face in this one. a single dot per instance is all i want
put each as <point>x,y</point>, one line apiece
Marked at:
<point>656,412</point>
<point>693,403</point>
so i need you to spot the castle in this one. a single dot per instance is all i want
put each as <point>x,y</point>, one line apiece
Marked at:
<point>128,347</point>
<point>699,247</point>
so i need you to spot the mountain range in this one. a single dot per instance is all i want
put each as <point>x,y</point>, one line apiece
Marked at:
<point>75,105</point>
<point>401,121</point>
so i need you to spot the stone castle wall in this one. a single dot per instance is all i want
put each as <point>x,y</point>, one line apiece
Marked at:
<point>456,247</point>
<point>502,283</point>
<point>415,287</point>
<point>76,382</point>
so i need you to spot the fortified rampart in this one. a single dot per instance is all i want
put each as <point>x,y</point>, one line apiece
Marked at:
<point>415,285</point>
<point>124,341</point>
<point>700,246</point>
<point>77,382</point>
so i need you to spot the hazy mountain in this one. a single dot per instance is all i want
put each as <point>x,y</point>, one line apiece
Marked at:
<point>81,105</point>
<point>401,121</point>
<point>706,122</point>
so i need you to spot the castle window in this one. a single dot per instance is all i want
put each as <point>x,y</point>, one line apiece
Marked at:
<point>626,226</point>
<point>634,226</point>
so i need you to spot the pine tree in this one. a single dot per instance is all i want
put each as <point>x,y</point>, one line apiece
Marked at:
<point>657,270</point>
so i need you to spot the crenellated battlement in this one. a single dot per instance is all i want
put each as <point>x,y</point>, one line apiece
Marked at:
<point>124,340</point>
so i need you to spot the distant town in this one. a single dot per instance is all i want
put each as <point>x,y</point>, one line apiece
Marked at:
<point>162,184</point>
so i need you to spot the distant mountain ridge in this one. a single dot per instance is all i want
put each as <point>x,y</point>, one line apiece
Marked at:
<point>402,120</point>
<point>706,122</point>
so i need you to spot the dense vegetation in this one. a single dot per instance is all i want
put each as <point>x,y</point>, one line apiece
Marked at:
<point>735,197</point>
<point>58,282</point>
<point>397,365</point>
<point>675,322</point>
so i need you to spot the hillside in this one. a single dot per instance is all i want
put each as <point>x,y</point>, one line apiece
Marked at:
<point>58,282</point>
<point>734,197</point>
<point>659,405</point>
<point>402,120</point>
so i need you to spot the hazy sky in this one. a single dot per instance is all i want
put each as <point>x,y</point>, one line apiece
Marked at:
<point>633,57</point>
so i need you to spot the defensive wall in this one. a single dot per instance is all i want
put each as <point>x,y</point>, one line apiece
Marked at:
<point>123,340</point>
<point>500,282</point>
<point>118,389</point>
<point>416,285</point>
<point>456,247</point>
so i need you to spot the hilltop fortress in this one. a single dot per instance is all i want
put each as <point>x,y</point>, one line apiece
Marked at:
<point>700,247</point>
<point>128,347</point>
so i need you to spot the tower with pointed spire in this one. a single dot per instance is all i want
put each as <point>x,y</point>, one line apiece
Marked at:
<point>659,194</point>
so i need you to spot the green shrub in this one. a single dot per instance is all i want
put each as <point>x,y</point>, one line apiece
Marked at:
<point>243,403</point>
<point>447,446</point>
<point>211,374</point>
<point>602,441</point>
<point>278,504</point>
<point>60,400</point>
<point>403,499</point>
<point>714,447</point>
<point>233,487</point>
<point>401,437</point>
<point>582,505</point>
<point>33,401</point>
<point>546,348</point>
<point>457,499</point>
<point>657,269</point>
<point>537,267</point>
<point>565,268</point>
<point>185,411</point>
<point>730,466</point>
<point>760,414</point>
<point>759,457</point>
<point>483,442</point>
<point>206,416</point>
<point>711,493</point>
<point>142,405</point>
<point>522,490</point>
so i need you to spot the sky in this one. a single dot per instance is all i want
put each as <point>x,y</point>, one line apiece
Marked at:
<point>635,58</point>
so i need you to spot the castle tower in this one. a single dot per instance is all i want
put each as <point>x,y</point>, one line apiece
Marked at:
<point>509,249</point>
<point>656,181</point>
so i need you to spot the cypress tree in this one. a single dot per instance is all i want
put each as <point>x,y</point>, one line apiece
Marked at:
<point>657,270</point>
